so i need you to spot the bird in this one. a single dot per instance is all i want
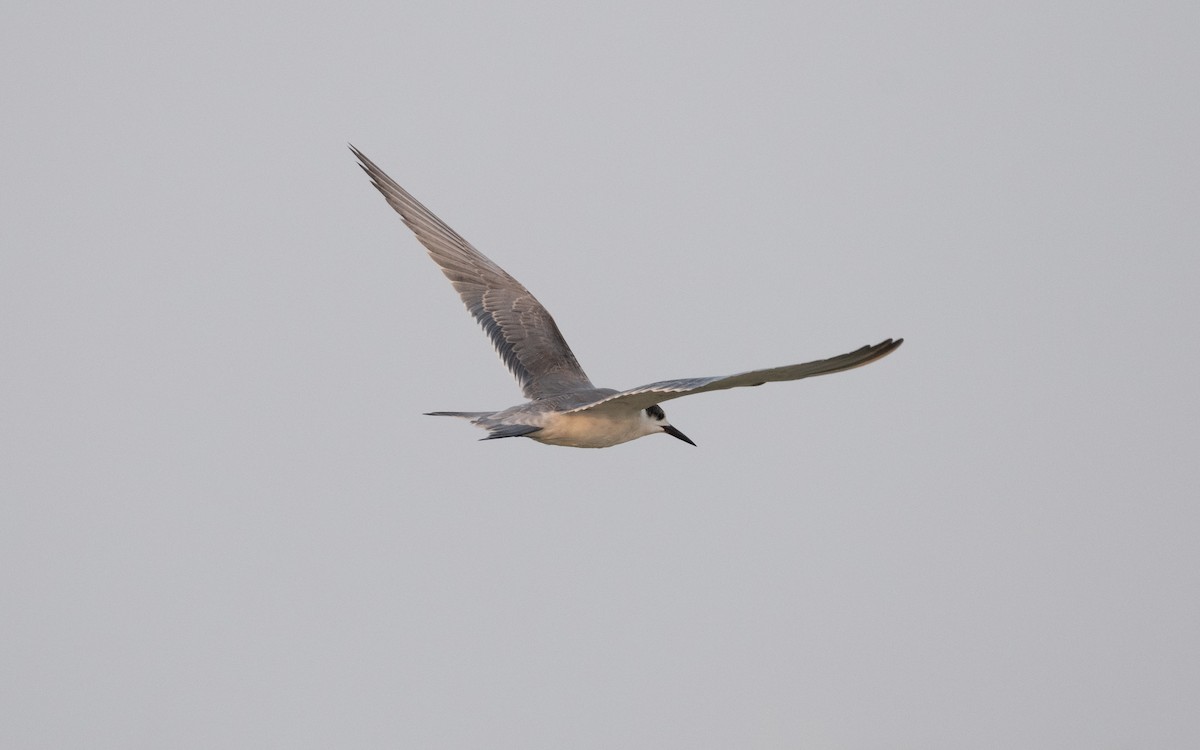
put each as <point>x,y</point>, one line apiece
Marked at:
<point>563,406</point>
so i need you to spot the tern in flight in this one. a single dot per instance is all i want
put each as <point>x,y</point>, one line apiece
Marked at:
<point>564,408</point>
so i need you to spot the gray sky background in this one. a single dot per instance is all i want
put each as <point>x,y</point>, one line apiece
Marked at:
<point>226,523</point>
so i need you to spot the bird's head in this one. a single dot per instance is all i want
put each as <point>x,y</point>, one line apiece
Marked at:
<point>656,420</point>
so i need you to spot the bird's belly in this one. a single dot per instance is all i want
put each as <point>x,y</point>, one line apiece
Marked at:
<point>584,430</point>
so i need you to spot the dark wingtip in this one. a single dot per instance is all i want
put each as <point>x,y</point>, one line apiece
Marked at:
<point>885,347</point>
<point>366,164</point>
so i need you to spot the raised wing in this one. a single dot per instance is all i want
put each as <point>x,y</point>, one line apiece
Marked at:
<point>655,393</point>
<point>524,334</point>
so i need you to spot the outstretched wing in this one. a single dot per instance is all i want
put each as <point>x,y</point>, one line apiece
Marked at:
<point>655,393</point>
<point>522,331</point>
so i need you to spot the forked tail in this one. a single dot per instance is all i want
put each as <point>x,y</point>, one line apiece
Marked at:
<point>495,431</point>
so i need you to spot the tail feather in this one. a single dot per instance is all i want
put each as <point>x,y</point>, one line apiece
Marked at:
<point>495,431</point>
<point>509,430</point>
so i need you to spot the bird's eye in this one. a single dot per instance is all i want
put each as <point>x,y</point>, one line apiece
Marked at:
<point>656,412</point>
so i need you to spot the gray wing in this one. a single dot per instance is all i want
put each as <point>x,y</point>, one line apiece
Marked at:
<point>655,393</point>
<point>522,331</point>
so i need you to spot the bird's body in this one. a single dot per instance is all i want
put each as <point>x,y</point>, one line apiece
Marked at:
<point>564,408</point>
<point>594,430</point>
<point>552,421</point>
